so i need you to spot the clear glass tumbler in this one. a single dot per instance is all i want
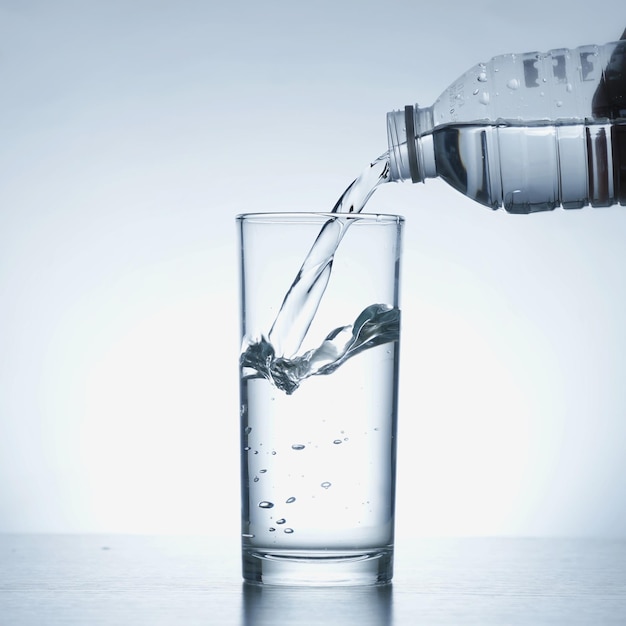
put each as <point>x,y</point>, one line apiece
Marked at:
<point>319,388</point>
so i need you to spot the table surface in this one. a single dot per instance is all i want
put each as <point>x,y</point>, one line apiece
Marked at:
<point>123,579</point>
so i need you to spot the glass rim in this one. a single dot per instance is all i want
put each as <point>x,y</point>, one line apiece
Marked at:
<point>277,217</point>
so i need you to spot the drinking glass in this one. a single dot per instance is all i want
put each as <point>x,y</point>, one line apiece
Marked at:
<point>319,396</point>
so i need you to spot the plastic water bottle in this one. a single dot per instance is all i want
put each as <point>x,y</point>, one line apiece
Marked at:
<point>529,132</point>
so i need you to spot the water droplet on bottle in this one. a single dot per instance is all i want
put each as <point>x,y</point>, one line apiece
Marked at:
<point>256,480</point>
<point>256,452</point>
<point>247,535</point>
<point>298,446</point>
<point>247,430</point>
<point>569,88</point>
<point>484,97</point>
<point>345,439</point>
<point>475,92</point>
<point>290,500</point>
<point>337,441</point>
<point>273,452</point>
<point>247,448</point>
<point>288,531</point>
<point>272,529</point>
<point>559,103</point>
<point>264,504</point>
<point>513,84</point>
<point>482,77</point>
<point>326,484</point>
<point>282,520</point>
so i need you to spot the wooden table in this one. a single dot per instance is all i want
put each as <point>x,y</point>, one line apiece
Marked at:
<point>120,579</point>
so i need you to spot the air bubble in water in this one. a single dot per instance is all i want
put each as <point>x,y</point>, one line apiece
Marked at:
<point>325,484</point>
<point>264,504</point>
<point>290,500</point>
<point>298,446</point>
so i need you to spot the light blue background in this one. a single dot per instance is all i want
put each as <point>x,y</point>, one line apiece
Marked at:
<point>131,134</point>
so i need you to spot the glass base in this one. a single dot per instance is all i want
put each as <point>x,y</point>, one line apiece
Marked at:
<point>318,567</point>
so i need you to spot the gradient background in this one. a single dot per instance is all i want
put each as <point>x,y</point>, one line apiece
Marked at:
<point>131,134</point>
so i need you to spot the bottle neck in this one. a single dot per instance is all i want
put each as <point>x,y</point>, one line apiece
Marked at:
<point>411,150</point>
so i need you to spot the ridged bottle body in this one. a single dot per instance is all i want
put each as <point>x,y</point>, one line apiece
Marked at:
<point>529,132</point>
